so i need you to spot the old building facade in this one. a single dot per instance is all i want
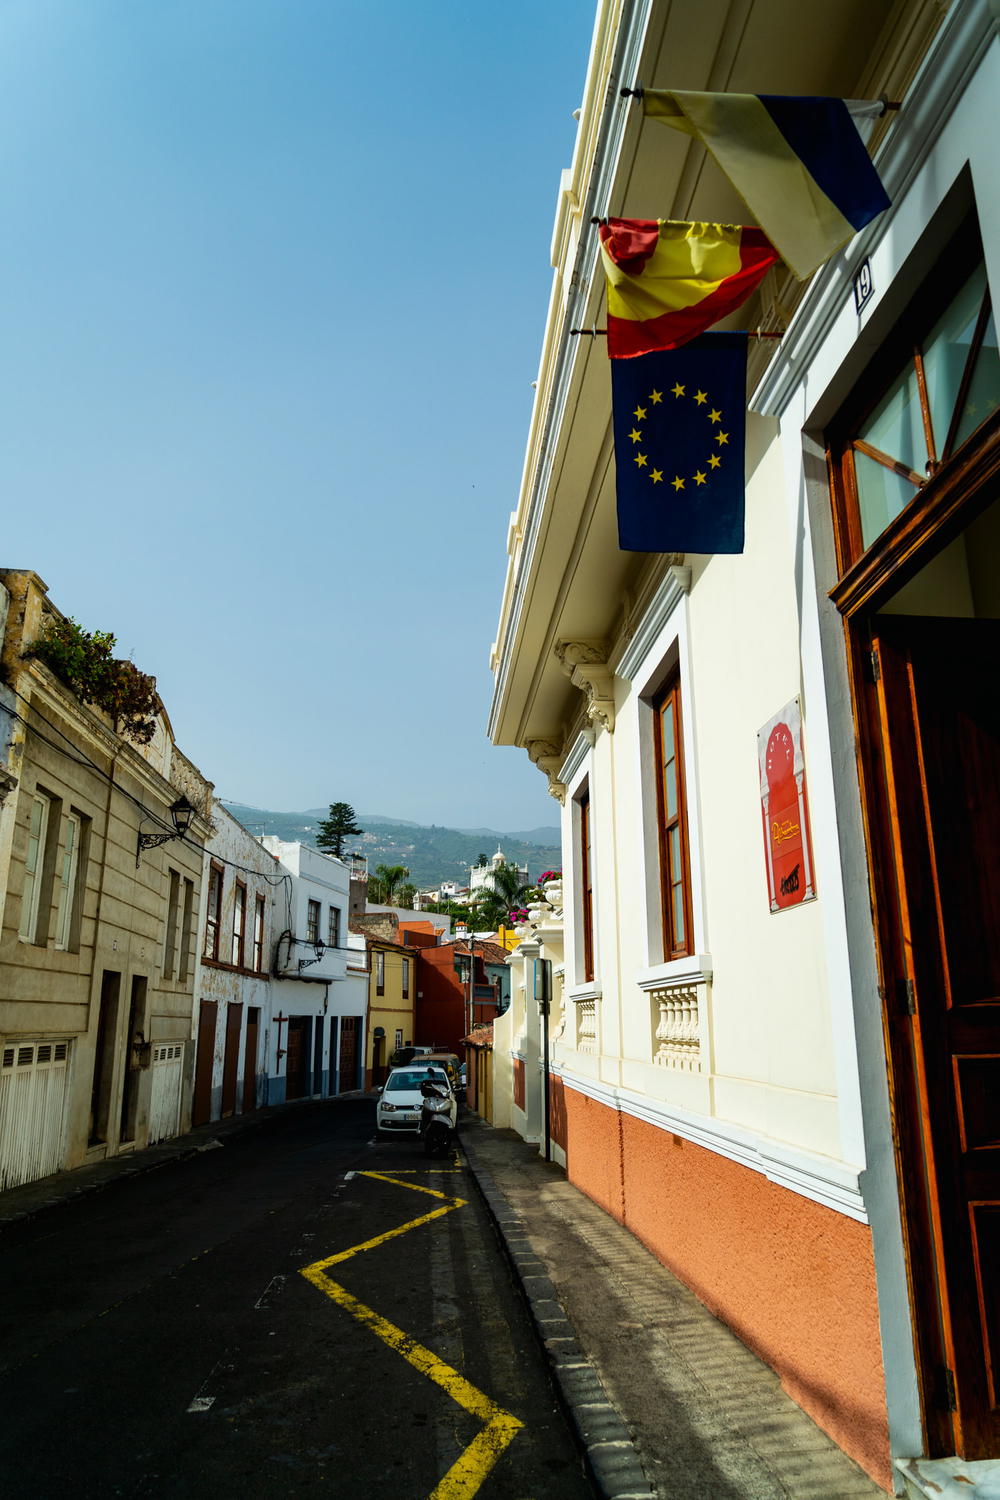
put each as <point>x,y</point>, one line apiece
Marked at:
<point>100,902</point>
<point>775,1071</point>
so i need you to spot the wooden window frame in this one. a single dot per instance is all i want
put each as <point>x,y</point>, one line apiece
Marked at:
<point>380,971</point>
<point>68,910</point>
<point>314,910</point>
<point>213,911</point>
<point>258,934</point>
<point>333,927</point>
<point>586,885</point>
<point>405,982</point>
<point>956,486</point>
<point>239,924</point>
<point>172,923</point>
<point>668,699</point>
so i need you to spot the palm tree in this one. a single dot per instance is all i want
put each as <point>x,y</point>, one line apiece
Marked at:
<point>504,892</point>
<point>384,886</point>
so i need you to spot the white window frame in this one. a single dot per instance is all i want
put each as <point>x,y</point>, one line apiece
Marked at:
<point>69,874</point>
<point>661,646</point>
<point>34,869</point>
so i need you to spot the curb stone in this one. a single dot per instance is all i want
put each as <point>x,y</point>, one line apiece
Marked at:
<point>611,1455</point>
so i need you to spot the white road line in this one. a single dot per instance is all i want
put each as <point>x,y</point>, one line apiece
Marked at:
<point>274,1285</point>
<point>201,1403</point>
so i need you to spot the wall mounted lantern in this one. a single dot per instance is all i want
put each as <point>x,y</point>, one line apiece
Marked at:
<point>318,948</point>
<point>181,811</point>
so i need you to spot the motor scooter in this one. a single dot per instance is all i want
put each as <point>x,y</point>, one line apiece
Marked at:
<point>435,1118</point>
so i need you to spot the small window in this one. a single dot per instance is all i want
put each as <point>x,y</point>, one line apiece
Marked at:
<point>312,921</point>
<point>675,881</point>
<point>944,384</point>
<point>239,923</point>
<point>333,928</point>
<point>258,934</point>
<point>184,967</point>
<point>67,916</point>
<point>213,918</point>
<point>586,888</point>
<point>380,972</point>
<point>399,1036</point>
<point>38,827</point>
<point>173,918</point>
<point>406,983</point>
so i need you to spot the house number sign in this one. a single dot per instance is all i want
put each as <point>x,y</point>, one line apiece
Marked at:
<point>785,809</point>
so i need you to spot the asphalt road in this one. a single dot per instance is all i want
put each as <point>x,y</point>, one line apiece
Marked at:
<point>299,1312</point>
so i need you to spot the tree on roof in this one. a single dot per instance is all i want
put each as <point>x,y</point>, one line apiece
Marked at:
<point>387,884</point>
<point>332,831</point>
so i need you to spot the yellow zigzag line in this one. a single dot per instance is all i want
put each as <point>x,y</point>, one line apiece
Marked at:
<point>467,1473</point>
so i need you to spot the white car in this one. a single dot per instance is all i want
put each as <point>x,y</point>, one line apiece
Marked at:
<point>400,1099</point>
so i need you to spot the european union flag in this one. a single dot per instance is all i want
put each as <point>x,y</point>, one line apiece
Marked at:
<point>680,423</point>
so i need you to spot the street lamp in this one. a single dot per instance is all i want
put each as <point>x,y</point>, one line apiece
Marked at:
<point>319,948</point>
<point>182,812</point>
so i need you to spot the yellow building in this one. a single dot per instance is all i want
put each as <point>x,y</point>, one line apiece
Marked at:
<point>392,996</point>
<point>100,900</point>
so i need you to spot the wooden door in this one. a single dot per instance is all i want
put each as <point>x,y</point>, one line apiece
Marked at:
<point>297,1059</point>
<point>231,1061</point>
<point>250,1060</point>
<point>348,1053</point>
<point>939,723</point>
<point>201,1103</point>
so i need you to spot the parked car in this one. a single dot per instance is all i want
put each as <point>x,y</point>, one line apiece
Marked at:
<point>400,1099</point>
<point>446,1060</point>
<point>404,1055</point>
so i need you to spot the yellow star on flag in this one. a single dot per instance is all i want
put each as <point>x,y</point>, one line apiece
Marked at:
<point>714,460</point>
<point>700,478</point>
<point>656,476</point>
<point>722,437</point>
<point>640,459</point>
<point>678,389</point>
<point>677,482</point>
<point>715,416</point>
<point>656,397</point>
<point>640,414</point>
<point>701,397</point>
<point>635,435</point>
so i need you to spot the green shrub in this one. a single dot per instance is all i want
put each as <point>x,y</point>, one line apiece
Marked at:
<point>84,660</point>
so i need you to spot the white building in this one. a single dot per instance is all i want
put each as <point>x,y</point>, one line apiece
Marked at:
<point>319,990</point>
<point>243,889</point>
<point>481,876</point>
<point>780,1078</point>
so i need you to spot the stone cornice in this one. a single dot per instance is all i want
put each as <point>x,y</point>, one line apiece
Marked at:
<point>586,665</point>
<point>669,594</point>
<point>547,755</point>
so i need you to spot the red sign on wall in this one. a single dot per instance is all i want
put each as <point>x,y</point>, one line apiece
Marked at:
<point>785,809</point>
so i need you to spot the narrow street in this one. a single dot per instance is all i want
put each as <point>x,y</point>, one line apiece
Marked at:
<point>298,1312</point>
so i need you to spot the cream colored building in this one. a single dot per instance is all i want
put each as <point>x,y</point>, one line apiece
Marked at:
<point>786,1100</point>
<point>97,955</point>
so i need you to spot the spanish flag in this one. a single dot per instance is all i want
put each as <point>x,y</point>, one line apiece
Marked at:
<point>799,164</point>
<point>668,281</point>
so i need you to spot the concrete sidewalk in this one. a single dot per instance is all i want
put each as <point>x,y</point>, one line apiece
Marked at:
<point>668,1401</point>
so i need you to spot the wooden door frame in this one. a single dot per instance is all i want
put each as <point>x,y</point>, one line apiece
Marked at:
<point>943,509</point>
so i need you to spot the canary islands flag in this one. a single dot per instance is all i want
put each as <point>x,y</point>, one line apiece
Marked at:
<point>799,164</point>
<point>669,281</point>
<point>679,424</point>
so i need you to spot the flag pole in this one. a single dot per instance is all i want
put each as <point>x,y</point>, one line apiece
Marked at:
<point>751,333</point>
<point>887,104</point>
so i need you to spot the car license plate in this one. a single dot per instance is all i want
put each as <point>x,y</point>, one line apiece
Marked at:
<point>410,1119</point>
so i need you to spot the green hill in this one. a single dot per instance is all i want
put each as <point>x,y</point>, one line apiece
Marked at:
<point>431,854</point>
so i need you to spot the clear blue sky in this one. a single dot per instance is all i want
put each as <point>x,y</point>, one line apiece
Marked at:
<point>274,281</point>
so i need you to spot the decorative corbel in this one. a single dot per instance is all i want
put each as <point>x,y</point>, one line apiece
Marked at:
<point>7,784</point>
<point>586,665</point>
<point>547,755</point>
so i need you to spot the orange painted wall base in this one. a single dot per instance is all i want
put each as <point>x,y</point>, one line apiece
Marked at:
<point>794,1279</point>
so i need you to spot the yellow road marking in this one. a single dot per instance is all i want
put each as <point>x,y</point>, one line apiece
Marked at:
<point>466,1475</point>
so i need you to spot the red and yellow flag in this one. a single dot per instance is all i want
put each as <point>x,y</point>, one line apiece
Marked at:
<point>668,281</point>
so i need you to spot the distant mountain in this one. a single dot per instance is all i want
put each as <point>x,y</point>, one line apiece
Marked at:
<point>430,854</point>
